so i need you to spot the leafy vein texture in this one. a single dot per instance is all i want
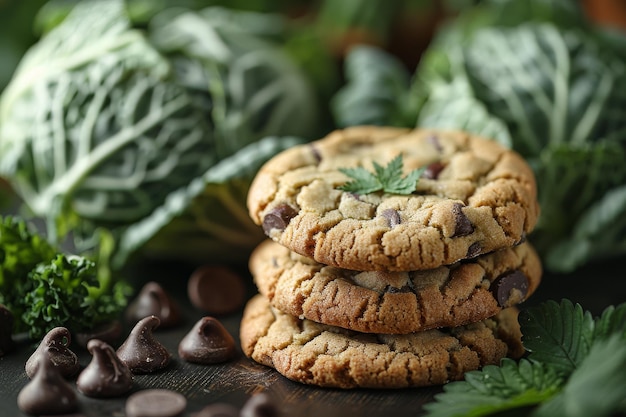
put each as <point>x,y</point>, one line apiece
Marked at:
<point>557,334</point>
<point>495,389</point>
<point>388,179</point>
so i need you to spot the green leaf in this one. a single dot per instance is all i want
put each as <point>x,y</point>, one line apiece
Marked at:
<point>558,335</point>
<point>496,388</point>
<point>388,179</point>
<point>611,322</point>
<point>597,387</point>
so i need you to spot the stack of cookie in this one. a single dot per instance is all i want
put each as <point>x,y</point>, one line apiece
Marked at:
<point>361,286</point>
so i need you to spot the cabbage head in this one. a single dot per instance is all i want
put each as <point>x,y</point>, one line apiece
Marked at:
<point>103,123</point>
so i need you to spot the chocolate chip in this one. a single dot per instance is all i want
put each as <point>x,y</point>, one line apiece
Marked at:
<point>474,250</point>
<point>141,352</point>
<point>6,330</point>
<point>434,140</point>
<point>106,375</point>
<point>463,225</point>
<point>208,342</point>
<point>395,290</point>
<point>54,345</point>
<point>107,332</point>
<point>432,171</point>
<point>392,216</point>
<point>278,218</point>
<point>47,392</point>
<point>216,289</point>
<point>218,410</point>
<point>152,300</point>
<point>259,405</point>
<point>505,286</point>
<point>155,403</point>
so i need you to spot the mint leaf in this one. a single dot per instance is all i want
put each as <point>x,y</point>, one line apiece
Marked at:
<point>597,387</point>
<point>388,179</point>
<point>558,335</point>
<point>496,388</point>
<point>612,321</point>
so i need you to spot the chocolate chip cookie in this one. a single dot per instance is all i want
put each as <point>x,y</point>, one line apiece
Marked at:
<point>474,197</point>
<point>318,354</point>
<point>395,302</point>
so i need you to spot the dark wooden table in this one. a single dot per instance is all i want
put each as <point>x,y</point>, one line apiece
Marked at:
<point>594,287</point>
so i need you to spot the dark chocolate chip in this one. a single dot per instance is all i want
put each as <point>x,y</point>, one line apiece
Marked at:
<point>278,218</point>
<point>434,140</point>
<point>259,405</point>
<point>55,346</point>
<point>218,410</point>
<point>107,332</point>
<point>463,226</point>
<point>395,290</point>
<point>153,300</point>
<point>155,403</point>
<point>432,171</point>
<point>6,330</point>
<point>392,216</point>
<point>141,352</point>
<point>208,342</point>
<point>503,287</point>
<point>216,289</point>
<point>474,250</point>
<point>106,375</point>
<point>47,392</point>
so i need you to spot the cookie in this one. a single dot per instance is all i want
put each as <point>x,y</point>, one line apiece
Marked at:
<point>395,302</point>
<point>474,197</point>
<point>329,356</point>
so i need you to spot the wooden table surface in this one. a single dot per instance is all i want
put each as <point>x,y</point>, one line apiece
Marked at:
<point>594,287</point>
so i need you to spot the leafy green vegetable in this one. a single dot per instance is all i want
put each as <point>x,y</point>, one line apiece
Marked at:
<point>45,289</point>
<point>104,120</point>
<point>575,368</point>
<point>388,179</point>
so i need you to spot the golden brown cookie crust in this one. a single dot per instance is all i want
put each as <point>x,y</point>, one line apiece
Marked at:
<point>399,302</point>
<point>483,199</point>
<point>313,353</point>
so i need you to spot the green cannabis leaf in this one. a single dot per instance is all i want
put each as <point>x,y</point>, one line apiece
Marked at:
<point>557,334</point>
<point>388,179</point>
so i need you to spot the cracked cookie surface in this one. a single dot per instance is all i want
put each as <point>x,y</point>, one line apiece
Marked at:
<point>395,302</point>
<point>474,197</point>
<point>328,356</point>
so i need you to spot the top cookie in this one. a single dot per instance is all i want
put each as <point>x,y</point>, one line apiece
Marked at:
<point>475,196</point>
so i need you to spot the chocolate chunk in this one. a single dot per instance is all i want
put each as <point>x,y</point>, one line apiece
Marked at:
<point>510,289</point>
<point>474,250</point>
<point>432,171</point>
<point>392,216</point>
<point>207,343</point>
<point>434,140</point>
<point>218,410</point>
<point>278,218</point>
<point>155,403</point>
<point>259,405</point>
<point>216,289</point>
<point>141,352</point>
<point>47,392</point>
<point>6,330</point>
<point>55,346</point>
<point>152,300</point>
<point>463,225</point>
<point>106,375</point>
<point>107,332</point>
